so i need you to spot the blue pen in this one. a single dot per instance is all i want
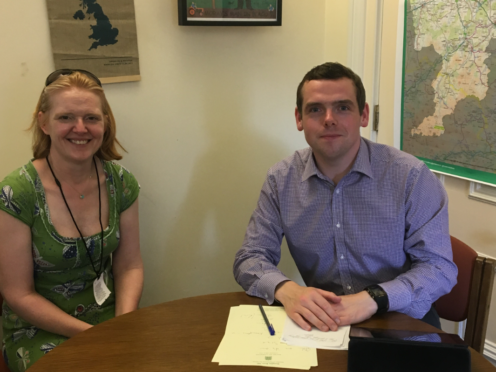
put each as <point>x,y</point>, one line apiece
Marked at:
<point>269,326</point>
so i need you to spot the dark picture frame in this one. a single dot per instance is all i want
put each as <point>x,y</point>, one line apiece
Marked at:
<point>230,12</point>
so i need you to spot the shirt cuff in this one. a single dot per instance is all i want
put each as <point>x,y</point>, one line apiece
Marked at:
<point>398,295</point>
<point>267,285</point>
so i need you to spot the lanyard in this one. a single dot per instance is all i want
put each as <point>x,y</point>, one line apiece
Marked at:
<point>73,220</point>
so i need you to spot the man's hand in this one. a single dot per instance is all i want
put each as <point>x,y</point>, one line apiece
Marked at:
<point>355,308</point>
<point>309,306</point>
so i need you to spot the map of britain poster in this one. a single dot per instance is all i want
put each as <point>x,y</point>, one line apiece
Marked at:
<point>449,86</point>
<point>95,35</point>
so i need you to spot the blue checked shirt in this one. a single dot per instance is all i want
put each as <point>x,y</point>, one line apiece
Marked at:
<point>386,223</point>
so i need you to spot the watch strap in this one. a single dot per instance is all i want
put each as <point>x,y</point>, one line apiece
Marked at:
<point>379,296</point>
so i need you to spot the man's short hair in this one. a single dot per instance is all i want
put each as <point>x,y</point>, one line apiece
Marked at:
<point>332,71</point>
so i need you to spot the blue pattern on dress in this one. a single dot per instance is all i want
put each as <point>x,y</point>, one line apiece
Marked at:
<point>69,251</point>
<point>36,208</point>
<point>68,289</point>
<point>29,332</point>
<point>90,244</point>
<point>47,347</point>
<point>7,197</point>
<point>38,260</point>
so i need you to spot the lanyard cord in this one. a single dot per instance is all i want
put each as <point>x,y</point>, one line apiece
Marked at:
<point>73,220</point>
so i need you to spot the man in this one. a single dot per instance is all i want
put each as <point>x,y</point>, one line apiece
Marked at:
<point>366,224</point>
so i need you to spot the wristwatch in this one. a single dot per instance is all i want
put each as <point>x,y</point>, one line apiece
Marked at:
<point>379,296</point>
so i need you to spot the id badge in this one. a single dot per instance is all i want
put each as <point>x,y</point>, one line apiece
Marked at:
<point>100,290</point>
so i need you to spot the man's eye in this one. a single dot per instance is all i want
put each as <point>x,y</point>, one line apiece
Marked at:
<point>313,109</point>
<point>343,108</point>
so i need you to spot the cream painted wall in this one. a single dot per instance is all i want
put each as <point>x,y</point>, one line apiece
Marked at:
<point>214,110</point>
<point>470,221</point>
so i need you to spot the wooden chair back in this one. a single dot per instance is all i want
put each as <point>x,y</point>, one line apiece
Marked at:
<point>470,298</point>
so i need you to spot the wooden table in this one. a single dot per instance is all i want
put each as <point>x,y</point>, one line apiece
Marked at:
<point>183,335</point>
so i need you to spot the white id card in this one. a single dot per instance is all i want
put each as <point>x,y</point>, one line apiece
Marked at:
<point>100,290</point>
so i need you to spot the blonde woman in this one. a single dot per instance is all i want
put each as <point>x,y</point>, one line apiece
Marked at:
<point>62,215</point>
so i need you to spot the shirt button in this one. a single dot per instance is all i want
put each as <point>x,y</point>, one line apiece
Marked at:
<point>266,296</point>
<point>338,225</point>
<point>342,257</point>
<point>337,191</point>
<point>349,287</point>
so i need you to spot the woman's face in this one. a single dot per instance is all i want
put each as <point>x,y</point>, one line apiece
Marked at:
<point>75,124</point>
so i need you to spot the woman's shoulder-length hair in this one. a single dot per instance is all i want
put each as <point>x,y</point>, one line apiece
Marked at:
<point>41,141</point>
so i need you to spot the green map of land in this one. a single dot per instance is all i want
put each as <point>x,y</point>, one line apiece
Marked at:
<point>449,86</point>
<point>103,33</point>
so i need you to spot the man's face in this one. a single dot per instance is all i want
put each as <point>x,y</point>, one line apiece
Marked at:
<point>331,121</point>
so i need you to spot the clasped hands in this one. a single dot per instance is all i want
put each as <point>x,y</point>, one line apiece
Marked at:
<point>308,306</point>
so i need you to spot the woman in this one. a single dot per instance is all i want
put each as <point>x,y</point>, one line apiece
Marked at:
<point>56,212</point>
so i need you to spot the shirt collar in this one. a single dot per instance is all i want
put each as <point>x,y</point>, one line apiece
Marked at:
<point>361,164</point>
<point>362,161</point>
<point>310,168</point>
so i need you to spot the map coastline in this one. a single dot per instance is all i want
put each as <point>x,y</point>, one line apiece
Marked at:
<point>463,143</point>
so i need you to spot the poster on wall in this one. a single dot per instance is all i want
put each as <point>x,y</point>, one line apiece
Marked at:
<point>95,35</point>
<point>230,12</point>
<point>448,112</point>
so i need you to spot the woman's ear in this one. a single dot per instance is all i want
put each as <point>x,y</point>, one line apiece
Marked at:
<point>42,120</point>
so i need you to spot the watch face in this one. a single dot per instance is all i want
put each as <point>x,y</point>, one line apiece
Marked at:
<point>380,297</point>
<point>371,293</point>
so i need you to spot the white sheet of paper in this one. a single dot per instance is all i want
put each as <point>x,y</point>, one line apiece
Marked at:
<point>294,335</point>
<point>247,341</point>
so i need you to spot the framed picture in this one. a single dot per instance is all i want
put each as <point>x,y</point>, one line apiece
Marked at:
<point>230,12</point>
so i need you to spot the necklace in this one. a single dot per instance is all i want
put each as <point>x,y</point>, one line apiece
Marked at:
<point>81,195</point>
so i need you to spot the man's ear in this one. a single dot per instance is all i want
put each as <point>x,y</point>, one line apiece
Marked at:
<point>299,119</point>
<point>364,120</point>
<point>42,120</point>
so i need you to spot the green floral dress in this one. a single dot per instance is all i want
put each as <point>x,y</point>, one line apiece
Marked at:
<point>62,270</point>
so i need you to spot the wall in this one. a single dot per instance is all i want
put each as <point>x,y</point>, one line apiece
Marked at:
<point>213,111</point>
